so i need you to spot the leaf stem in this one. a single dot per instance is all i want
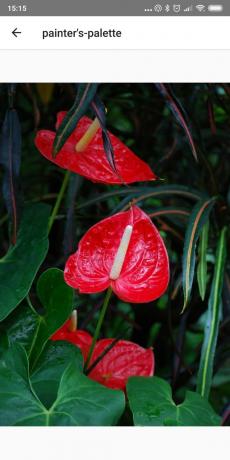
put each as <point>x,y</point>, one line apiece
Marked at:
<point>59,200</point>
<point>99,324</point>
<point>30,304</point>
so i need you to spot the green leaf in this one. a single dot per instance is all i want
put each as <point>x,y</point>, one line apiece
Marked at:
<point>197,220</point>
<point>19,266</point>
<point>212,320</point>
<point>10,159</point>
<point>151,403</point>
<point>54,360</point>
<point>179,113</point>
<point>85,95</point>
<point>147,192</point>
<point>21,326</point>
<point>202,265</point>
<point>57,300</point>
<point>80,401</point>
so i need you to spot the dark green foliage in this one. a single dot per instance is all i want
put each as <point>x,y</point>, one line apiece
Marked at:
<point>21,263</point>
<point>184,137</point>
<point>152,405</point>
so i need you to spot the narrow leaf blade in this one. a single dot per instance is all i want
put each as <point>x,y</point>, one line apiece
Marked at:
<point>10,159</point>
<point>179,113</point>
<point>202,265</point>
<point>212,321</point>
<point>197,220</point>
<point>85,95</point>
<point>99,110</point>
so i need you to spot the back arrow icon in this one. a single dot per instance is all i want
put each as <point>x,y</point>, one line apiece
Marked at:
<point>15,32</point>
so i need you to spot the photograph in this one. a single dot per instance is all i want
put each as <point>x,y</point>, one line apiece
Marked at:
<point>114,254</point>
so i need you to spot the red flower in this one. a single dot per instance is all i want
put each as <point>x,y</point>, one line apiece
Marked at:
<point>124,360</point>
<point>91,162</point>
<point>124,251</point>
<point>81,339</point>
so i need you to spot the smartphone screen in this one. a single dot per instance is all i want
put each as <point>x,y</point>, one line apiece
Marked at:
<point>114,228</point>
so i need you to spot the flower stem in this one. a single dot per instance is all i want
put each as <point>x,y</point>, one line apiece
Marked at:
<point>99,324</point>
<point>59,200</point>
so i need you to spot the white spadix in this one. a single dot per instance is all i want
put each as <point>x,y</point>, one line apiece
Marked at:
<point>73,321</point>
<point>88,136</point>
<point>121,253</point>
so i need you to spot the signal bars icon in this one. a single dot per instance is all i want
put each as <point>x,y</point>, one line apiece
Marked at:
<point>188,9</point>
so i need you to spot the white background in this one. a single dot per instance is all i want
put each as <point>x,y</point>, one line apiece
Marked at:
<point>114,443</point>
<point>116,66</point>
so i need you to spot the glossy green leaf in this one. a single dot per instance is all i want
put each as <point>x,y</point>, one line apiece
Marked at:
<point>197,220</point>
<point>202,265</point>
<point>19,266</point>
<point>212,320</point>
<point>80,401</point>
<point>21,326</point>
<point>85,95</point>
<point>57,299</point>
<point>151,403</point>
<point>54,360</point>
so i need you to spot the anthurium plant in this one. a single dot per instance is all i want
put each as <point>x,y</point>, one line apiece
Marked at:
<point>114,268</point>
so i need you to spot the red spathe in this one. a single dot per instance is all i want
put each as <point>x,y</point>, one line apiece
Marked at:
<point>80,338</point>
<point>145,272</point>
<point>92,162</point>
<point>126,359</point>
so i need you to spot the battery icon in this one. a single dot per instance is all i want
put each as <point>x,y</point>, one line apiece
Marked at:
<point>215,8</point>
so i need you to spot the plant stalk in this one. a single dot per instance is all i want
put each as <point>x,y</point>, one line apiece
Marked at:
<point>99,324</point>
<point>59,200</point>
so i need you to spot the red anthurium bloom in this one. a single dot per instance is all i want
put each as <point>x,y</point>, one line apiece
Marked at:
<point>124,360</point>
<point>81,339</point>
<point>88,158</point>
<point>124,251</point>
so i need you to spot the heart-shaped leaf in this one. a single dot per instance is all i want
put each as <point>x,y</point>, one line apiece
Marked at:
<point>151,403</point>
<point>54,360</point>
<point>80,401</point>
<point>20,326</point>
<point>19,266</point>
<point>57,300</point>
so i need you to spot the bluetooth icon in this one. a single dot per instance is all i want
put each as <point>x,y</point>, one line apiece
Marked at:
<point>167,8</point>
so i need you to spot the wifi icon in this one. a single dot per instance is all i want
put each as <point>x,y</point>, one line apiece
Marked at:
<point>200,8</point>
